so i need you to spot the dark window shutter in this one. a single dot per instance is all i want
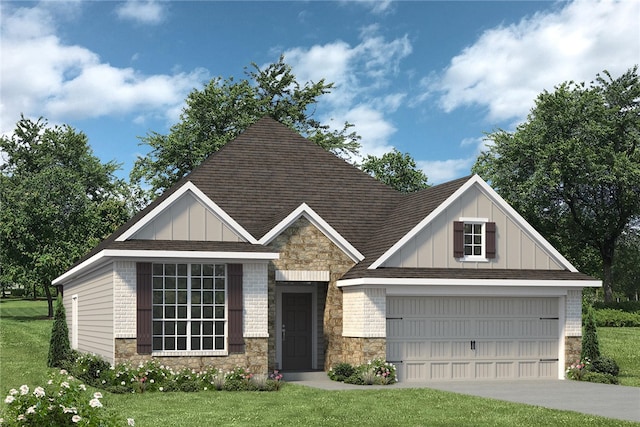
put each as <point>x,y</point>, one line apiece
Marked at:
<point>458,239</point>
<point>143,307</point>
<point>490,236</point>
<point>234,300</point>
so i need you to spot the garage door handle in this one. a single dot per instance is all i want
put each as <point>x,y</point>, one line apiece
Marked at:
<point>473,345</point>
<point>549,360</point>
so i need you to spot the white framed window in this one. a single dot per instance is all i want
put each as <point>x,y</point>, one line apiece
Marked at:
<point>189,307</point>
<point>474,239</point>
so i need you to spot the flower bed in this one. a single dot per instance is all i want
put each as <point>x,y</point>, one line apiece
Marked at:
<point>375,371</point>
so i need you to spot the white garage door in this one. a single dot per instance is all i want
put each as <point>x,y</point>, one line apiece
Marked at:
<point>447,338</point>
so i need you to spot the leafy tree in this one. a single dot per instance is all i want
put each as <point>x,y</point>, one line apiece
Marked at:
<point>626,266</point>
<point>59,346</point>
<point>58,201</point>
<point>590,345</point>
<point>222,109</point>
<point>397,170</point>
<point>573,168</point>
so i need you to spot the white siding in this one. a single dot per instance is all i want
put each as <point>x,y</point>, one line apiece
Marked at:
<point>573,310</point>
<point>124,283</point>
<point>255,300</point>
<point>364,312</point>
<point>95,312</point>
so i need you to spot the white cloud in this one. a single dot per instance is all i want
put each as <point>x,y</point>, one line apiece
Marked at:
<point>143,12</point>
<point>439,171</point>
<point>41,75</point>
<point>508,66</point>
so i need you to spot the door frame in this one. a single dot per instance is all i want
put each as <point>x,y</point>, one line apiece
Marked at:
<point>301,289</point>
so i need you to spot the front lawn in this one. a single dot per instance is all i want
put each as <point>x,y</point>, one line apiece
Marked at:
<point>24,333</point>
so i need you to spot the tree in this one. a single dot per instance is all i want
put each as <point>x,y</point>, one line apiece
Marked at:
<point>59,347</point>
<point>626,265</point>
<point>573,168</point>
<point>397,170</point>
<point>221,110</point>
<point>58,201</point>
<point>590,345</point>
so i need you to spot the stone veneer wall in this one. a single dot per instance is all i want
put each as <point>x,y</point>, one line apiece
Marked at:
<point>573,327</point>
<point>572,349</point>
<point>302,246</point>
<point>358,351</point>
<point>254,358</point>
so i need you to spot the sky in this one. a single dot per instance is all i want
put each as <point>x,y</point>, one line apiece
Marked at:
<point>428,78</point>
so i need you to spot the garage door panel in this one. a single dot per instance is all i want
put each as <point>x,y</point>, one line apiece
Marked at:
<point>440,338</point>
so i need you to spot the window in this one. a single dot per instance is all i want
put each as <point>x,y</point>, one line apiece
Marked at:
<point>474,239</point>
<point>189,307</point>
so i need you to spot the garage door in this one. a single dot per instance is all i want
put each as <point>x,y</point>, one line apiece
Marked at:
<point>444,338</point>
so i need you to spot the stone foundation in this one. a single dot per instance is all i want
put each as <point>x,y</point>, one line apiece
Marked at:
<point>358,351</point>
<point>572,349</point>
<point>254,358</point>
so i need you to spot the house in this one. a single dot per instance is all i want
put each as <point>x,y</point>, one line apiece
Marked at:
<point>275,254</point>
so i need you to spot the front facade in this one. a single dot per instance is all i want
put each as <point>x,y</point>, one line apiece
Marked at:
<point>275,254</point>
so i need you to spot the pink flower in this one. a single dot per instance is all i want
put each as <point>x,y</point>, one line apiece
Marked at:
<point>76,418</point>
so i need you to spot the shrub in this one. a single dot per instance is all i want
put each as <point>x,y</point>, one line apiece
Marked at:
<point>590,346</point>
<point>341,372</point>
<point>599,377</point>
<point>63,401</point>
<point>577,369</point>
<point>59,347</point>
<point>626,306</point>
<point>616,318</point>
<point>605,365</point>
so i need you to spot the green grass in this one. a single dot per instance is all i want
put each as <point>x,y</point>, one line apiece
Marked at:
<point>623,345</point>
<point>24,333</point>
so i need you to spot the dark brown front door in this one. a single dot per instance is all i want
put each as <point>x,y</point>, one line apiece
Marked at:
<point>296,331</point>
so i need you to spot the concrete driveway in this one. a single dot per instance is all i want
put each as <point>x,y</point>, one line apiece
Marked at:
<point>605,400</point>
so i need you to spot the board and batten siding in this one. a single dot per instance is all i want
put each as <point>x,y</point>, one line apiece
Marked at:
<point>432,247</point>
<point>95,312</point>
<point>187,219</point>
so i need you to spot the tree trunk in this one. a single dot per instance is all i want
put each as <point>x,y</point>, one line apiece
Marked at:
<point>47,291</point>
<point>607,278</point>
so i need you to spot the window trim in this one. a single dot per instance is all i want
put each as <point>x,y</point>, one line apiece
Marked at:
<point>209,352</point>
<point>483,256</point>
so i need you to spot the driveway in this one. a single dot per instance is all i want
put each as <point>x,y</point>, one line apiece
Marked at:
<point>605,400</point>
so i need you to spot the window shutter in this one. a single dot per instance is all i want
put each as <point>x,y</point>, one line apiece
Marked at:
<point>458,239</point>
<point>490,236</point>
<point>234,299</point>
<point>143,307</point>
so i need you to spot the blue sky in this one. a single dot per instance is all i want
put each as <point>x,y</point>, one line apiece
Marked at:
<point>426,77</point>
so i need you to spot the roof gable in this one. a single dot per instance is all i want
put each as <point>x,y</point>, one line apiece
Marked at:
<point>514,218</point>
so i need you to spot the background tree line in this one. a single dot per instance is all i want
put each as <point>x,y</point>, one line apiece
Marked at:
<point>572,169</point>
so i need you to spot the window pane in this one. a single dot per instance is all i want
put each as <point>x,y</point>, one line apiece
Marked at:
<point>219,328</point>
<point>157,328</point>
<point>219,282</point>
<point>195,297</point>
<point>182,328</point>
<point>207,328</point>
<point>157,312</point>
<point>220,297</point>
<point>477,228</point>
<point>157,343</point>
<point>207,297</point>
<point>467,250</point>
<point>477,250</point>
<point>170,297</point>
<point>158,269</point>
<point>169,343</point>
<point>182,283</point>
<point>169,282</point>
<point>207,312</point>
<point>196,283</point>
<point>158,283</point>
<point>219,312</point>
<point>157,297</point>
<point>477,240</point>
<point>195,328</point>
<point>169,269</point>
<point>207,283</point>
<point>195,269</point>
<point>220,270</point>
<point>219,343</point>
<point>169,312</point>
<point>182,343</point>
<point>207,270</point>
<point>467,239</point>
<point>169,328</point>
<point>195,343</point>
<point>182,270</point>
<point>195,312</point>
<point>207,343</point>
<point>467,228</point>
<point>182,297</point>
<point>182,312</point>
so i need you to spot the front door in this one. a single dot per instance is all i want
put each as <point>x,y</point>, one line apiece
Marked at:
<point>296,331</point>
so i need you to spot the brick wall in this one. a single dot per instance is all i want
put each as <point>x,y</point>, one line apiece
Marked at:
<point>573,312</point>
<point>255,300</point>
<point>124,304</point>
<point>364,312</point>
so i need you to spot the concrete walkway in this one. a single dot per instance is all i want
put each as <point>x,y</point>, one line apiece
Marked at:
<point>605,400</point>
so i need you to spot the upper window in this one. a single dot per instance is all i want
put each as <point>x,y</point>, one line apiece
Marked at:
<point>189,307</point>
<point>474,239</point>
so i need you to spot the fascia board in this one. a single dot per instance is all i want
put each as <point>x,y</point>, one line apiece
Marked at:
<point>378,281</point>
<point>107,254</point>
<point>415,230</point>
<point>188,186</point>
<point>326,229</point>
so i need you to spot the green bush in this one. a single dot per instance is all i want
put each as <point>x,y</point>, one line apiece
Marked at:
<point>341,372</point>
<point>626,306</point>
<point>59,347</point>
<point>599,377</point>
<point>616,318</point>
<point>605,365</point>
<point>590,346</point>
